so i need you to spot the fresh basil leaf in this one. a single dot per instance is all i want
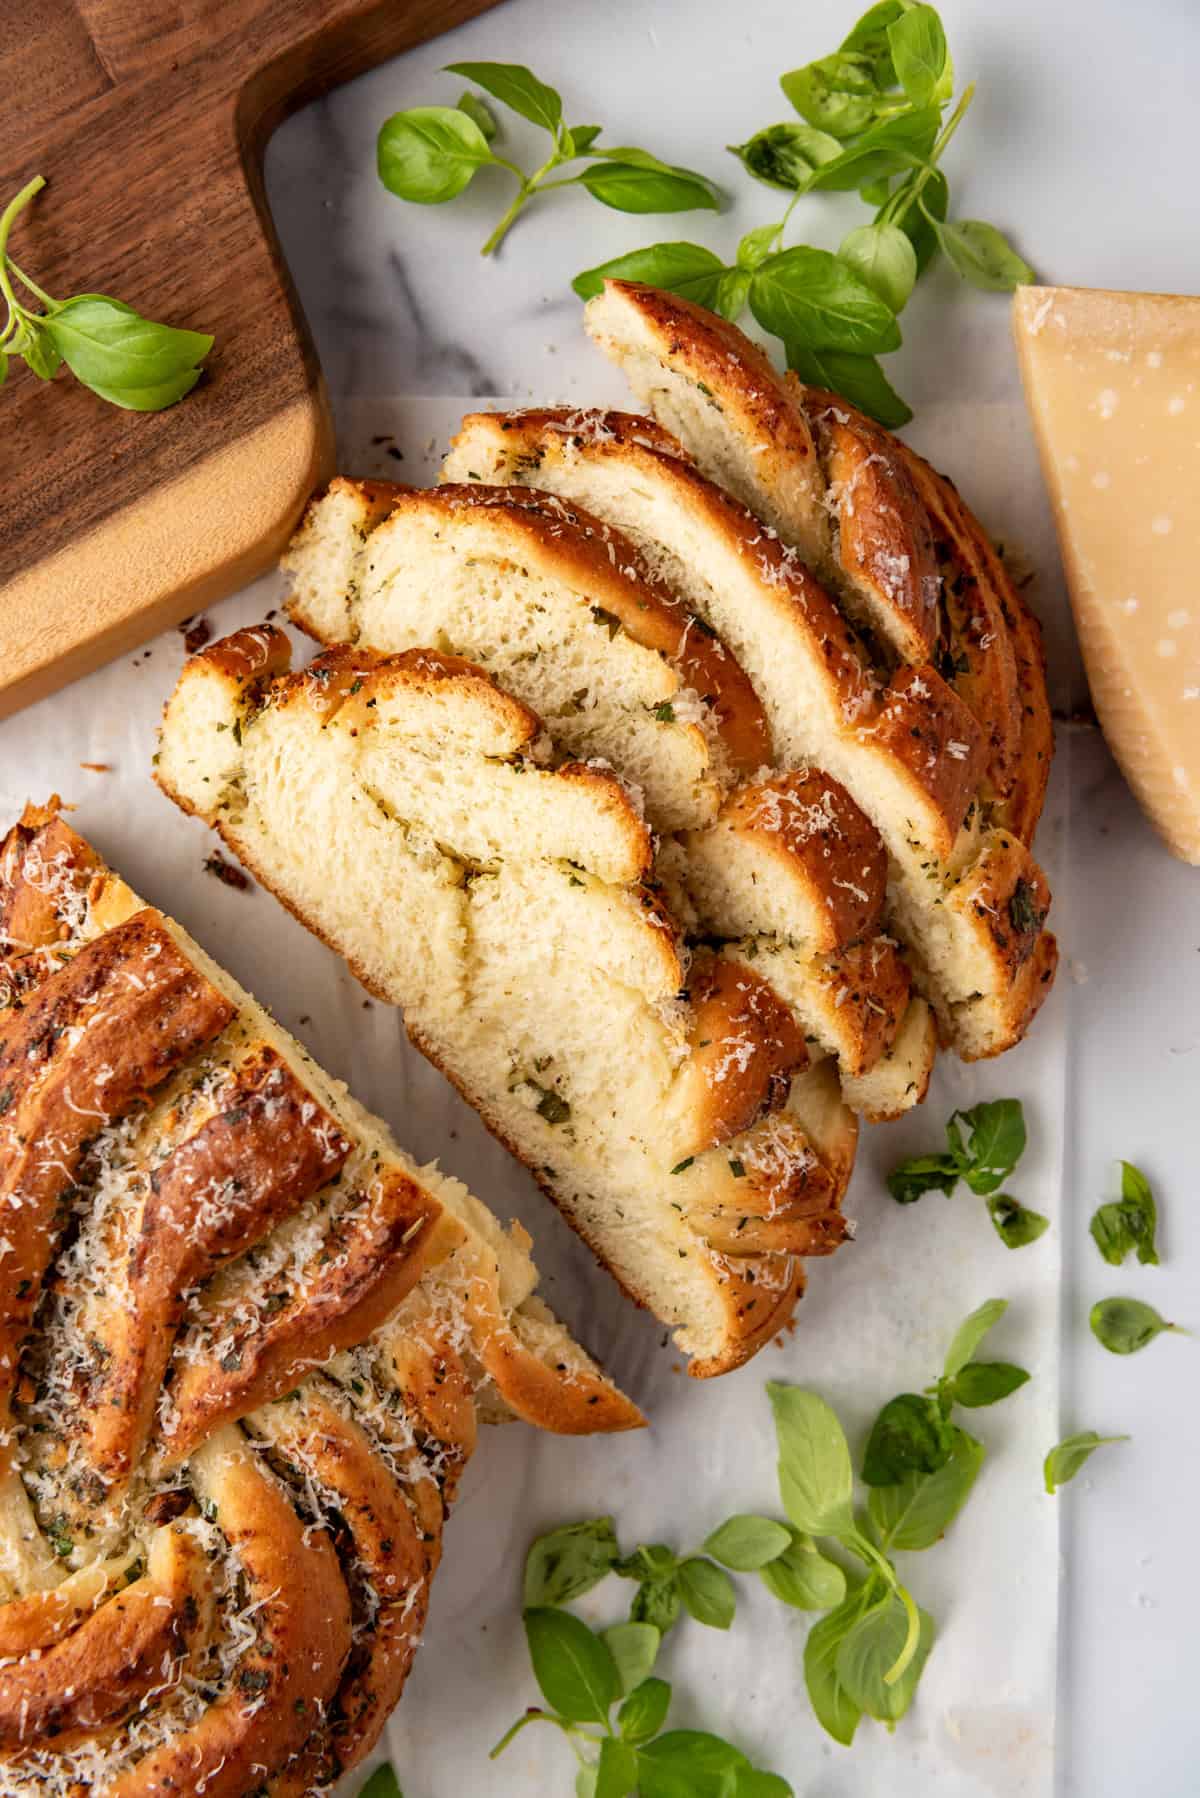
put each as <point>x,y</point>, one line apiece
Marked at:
<point>634,1649</point>
<point>382,1784</point>
<point>634,187</point>
<point>155,398</point>
<point>616,1770</point>
<point>838,93</point>
<point>832,1704</point>
<point>970,1333</point>
<point>644,1712</point>
<point>111,349</point>
<point>920,57</point>
<point>746,1542</point>
<point>987,1382</point>
<point>657,1602</point>
<point>919,222</point>
<point>875,193</point>
<point>870,39</point>
<point>917,1512</point>
<point>688,1763</point>
<point>816,1479</point>
<point>887,149</point>
<point>687,269</point>
<point>869,1650</point>
<point>41,354</point>
<point>429,153</point>
<point>996,1143</point>
<point>756,246</point>
<point>921,1174</point>
<point>573,1667</point>
<point>1129,1222</point>
<point>732,290</point>
<point>1123,1326</point>
<point>650,1560</point>
<point>583,137</point>
<point>480,114</point>
<point>707,1593</point>
<point>786,155</point>
<point>910,1435</point>
<point>979,253</point>
<point>808,297</point>
<point>803,1577</point>
<point>1015,1224</point>
<point>885,259</point>
<point>1068,1456</point>
<point>517,87</point>
<point>862,381</point>
<point>567,1562</point>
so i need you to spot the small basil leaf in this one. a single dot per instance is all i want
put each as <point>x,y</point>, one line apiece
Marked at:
<point>707,1593</point>
<point>1129,1222</point>
<point>688,1763</point>
<point>910,1435</point>
<point>1068,1456</point>
<point>979,253</point>
<point>868,1651</point>
<point>1123,1326</point>
<point>917,1512</point>
<point>566,1563</point>
<point>633,187</point>
<point>687,269</point>
<point>480,114</point>
<point>970,1333</point>
<point>862,381</point>
<point>875,193</point>
<point>517,87</point>
<point>919,222</point>
<point>41,354</point>
<point>657,1602</point>
<point>1015,1224</point>
<point>803,1577</point>
<point>634,1649</point>
<point>732,289</point>
<point>746,1542</point>
<point>650,1560</point>
<point>616,1770</point>
<point>987,1382</point>
<point>429,153</point>
<point>786,155</point>
<point>583,137</point>
<point>920,57</point>
<point>889,148</point>
<point>838,93</point>
<point>869,38</point>
<point>923,1173</point>
<point>107,344</point>
<point>644,1712</point>
<point>816,1479</point>
<point>885,259</point>
<point>832,1704</point>
<point>573,1667</point>
<point>808,297</point>
<point>996,1143</point>
<point>756,246</point>
<point>382,1784</point>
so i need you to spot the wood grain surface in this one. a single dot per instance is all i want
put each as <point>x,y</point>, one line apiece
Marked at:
<point>149,119</point>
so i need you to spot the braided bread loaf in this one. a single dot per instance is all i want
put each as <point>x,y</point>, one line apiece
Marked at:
<point>244,1346</point>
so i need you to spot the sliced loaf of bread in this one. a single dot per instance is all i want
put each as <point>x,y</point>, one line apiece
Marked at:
<point>411,812</point>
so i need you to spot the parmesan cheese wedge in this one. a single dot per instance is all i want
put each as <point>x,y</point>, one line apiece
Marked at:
<point>1113,385</point>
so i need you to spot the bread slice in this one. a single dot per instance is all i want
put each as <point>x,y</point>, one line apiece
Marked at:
<point>546,597</point>
<point>968,901</point>
<point>246,1344</point>
<point>560,609</point>
<point>545,978</point>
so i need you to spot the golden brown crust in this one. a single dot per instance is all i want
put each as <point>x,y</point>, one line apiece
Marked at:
<point>936,745</point>
<point>851,1003</point>
<point>743,1047</point>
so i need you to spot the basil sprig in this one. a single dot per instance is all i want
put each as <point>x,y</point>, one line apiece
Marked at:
<point>872,120</point>
<point>1128,1223</point>
<point>1068,1456</point>
<point>429,154</point>
<point>983,1158</point>
<point>128,360</point>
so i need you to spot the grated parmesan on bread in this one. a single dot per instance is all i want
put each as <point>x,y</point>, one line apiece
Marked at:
<point>645,1083</point>
<point>246,1342</point>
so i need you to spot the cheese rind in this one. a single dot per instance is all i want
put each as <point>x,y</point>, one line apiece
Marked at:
<point>1113,385</point>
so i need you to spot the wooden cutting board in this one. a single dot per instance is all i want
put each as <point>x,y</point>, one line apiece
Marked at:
<point>149,119</point>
